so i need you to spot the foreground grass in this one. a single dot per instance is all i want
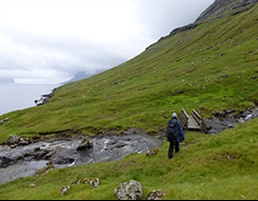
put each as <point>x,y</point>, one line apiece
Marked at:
<point>208,167</point>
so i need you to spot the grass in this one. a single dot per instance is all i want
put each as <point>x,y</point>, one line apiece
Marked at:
<point>213,61</point>
<point>221,166</point>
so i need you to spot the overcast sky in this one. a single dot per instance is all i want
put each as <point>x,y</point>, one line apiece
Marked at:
<point>49,41</point>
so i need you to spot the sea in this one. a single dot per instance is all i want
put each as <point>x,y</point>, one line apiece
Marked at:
<point>14,96</point>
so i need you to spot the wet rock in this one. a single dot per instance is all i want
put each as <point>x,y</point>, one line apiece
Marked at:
<point>85,144</point>
<point>13,140</point>
<point>61,160</point>
<point>5,161</point>
<point>112,141</point>
<point>24,142</point>
<point>62,152</point>
<point>120,144</point>
<point>227,119</point>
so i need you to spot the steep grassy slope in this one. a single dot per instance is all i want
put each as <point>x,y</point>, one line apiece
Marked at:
<point>213,61</point>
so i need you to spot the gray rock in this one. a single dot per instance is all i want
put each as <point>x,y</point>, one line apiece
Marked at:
<point>155,195</point>
<point>85,144</point>
<point>13,139</point>
<point>131,190</point>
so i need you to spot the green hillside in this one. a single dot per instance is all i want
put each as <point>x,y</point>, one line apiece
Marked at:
<point>217,59</point>
<point>212,61</point>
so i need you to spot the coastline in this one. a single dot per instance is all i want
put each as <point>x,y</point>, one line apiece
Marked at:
<point>16,96</point>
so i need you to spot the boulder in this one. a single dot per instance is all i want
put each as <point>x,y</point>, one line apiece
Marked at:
<point>131,190</point>
<point>13,140</point>
<point>65,189</point>
<point>155,195</point>
<point>85,144</point>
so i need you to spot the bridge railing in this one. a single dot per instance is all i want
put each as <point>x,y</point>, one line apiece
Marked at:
<point>184,119</point>
<point>198,119</point>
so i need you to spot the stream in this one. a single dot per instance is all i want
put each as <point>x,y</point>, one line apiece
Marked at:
<point>23,161</point>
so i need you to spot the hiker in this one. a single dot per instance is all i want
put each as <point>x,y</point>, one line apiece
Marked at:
<point>174,134</point>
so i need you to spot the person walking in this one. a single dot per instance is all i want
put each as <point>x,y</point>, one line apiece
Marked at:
<point>174,134</point>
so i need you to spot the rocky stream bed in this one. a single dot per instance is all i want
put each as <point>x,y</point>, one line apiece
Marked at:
<point>22,161</point>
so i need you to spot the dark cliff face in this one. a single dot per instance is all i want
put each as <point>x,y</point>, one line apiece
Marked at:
<point>220,7</point>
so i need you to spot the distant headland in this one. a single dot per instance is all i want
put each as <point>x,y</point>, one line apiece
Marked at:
<point>7,80</point>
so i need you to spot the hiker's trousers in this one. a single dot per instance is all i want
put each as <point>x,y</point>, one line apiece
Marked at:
<point>171,147</point>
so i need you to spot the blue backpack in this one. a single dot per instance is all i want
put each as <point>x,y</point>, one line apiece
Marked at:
<point>172,130</point>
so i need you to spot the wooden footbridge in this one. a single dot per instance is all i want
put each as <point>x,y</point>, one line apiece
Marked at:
<point>192,122</point>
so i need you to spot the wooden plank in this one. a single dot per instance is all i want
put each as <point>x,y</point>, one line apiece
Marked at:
<point>192,124</point>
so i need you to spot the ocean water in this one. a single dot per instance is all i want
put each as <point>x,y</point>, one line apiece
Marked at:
<point>15,96</point>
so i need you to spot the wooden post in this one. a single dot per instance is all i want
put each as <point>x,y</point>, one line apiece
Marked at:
<point>184,119</point>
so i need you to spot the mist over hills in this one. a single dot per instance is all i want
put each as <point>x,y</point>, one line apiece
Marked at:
<point>216,10</point>
<point>77,76</point>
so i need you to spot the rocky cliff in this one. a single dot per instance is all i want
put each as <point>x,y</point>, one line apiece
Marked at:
<point>218,9</point>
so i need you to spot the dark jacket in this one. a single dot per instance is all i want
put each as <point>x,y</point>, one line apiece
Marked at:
<point>174,131</point>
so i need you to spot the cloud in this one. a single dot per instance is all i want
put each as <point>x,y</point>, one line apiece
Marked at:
<point>50,41</point>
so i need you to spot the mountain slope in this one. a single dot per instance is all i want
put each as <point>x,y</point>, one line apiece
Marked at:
<point>189,69</point>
